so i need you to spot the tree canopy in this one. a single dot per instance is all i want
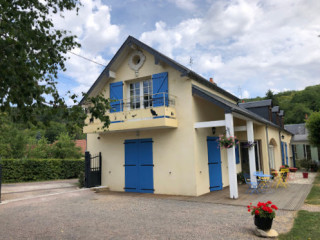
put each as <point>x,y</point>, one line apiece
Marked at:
<point>33,51</point>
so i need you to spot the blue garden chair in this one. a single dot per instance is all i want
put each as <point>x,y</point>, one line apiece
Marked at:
<point>252,186</point>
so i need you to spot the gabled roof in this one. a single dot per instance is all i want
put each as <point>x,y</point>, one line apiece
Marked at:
<point>231,107</point>
<point>185,72</point>
<point>300,132</point>
<point>254,104</point>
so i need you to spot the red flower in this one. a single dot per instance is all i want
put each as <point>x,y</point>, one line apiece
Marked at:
<point>256,212</point>
<point>248,210</point>
<point>274,207</point>
<point>269,202</point>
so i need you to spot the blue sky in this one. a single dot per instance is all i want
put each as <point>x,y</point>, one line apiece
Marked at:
<point>247,46</point>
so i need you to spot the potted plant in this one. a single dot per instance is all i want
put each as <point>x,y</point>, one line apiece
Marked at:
<point>264,213</point>
<point>306,164</point>
<point>227,142</point>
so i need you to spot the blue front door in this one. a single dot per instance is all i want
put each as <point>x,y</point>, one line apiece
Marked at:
<point>139,166</point>
<point>214,163</point>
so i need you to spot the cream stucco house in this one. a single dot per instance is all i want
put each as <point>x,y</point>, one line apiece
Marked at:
<point>165,120</point>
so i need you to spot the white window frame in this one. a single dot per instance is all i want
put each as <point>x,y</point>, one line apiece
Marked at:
<point>141,90</point>
<point>271,156</point>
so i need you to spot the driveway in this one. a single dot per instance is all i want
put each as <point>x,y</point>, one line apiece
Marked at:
<point>19,191</point>
<point>83,214</point>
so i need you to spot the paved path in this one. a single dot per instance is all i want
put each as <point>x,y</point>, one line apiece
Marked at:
<point>20,191</point>
<point>84,214</point>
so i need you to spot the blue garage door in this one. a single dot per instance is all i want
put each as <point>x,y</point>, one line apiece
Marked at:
<point>139,166</point>
<point>214,163</point>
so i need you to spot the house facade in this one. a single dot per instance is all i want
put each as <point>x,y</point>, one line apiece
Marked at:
<point>300,143</point>
<point>165,122</point>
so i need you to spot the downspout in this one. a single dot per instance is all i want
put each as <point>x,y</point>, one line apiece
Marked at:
<point>268,146</point>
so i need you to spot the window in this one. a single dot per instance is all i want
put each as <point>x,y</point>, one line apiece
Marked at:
<point>141,94</point>
<point>271,157</point>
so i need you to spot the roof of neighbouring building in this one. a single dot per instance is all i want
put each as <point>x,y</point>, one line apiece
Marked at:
<point>262,103</point>
<point>281,113</point>
<point>82,144</point>
<point>299,130</point>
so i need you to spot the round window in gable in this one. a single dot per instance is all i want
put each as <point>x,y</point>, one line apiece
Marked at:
<point>136,60</point>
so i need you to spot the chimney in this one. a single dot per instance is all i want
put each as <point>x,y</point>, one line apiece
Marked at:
<point>306,116</point>
<point>211,80</point>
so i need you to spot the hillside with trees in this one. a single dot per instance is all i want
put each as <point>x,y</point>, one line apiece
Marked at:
<point>296,104</point>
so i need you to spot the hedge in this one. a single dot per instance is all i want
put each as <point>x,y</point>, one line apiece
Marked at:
<point>16,170</point>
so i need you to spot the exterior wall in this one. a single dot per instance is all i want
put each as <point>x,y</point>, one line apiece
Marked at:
<point>314,153</point>
<point>173,149</point>
<point>204,111</point>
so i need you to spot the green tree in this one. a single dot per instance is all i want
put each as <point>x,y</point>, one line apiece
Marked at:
<point>65,147</point>
<point>42,149</point>
<point>270,95</point>
<point>32,52</point>
<point>313,126</point>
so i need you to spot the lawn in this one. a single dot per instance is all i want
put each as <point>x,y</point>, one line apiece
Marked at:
<point>307,224</point>
<point>314,195</point>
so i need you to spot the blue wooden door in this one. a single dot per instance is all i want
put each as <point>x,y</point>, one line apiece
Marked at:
<point>139,166</point>
<point>214,163</point>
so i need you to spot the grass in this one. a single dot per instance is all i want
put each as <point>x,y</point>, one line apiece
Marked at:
<point>314,195</point>
<point>307,224</point>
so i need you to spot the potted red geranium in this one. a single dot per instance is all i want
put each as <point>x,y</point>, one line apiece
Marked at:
<point>264,213</point>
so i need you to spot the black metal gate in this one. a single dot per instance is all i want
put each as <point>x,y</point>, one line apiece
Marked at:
<point>92,170</point>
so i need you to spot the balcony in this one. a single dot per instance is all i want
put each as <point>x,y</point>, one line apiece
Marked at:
<point>145,112</point>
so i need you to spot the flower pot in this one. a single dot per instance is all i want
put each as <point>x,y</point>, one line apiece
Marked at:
<point>263,223</point>
<point>305,175</point>
<point>293,169</point>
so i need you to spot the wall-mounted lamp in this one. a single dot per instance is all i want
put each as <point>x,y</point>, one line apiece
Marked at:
<point>213,130</point>
<point>282,136</point>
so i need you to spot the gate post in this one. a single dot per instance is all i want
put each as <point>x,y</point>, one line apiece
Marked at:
<point>0,178</point>
<point>87,169</point>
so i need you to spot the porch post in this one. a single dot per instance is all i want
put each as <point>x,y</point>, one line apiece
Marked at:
<point>251,151</point>
<point>233,184</point>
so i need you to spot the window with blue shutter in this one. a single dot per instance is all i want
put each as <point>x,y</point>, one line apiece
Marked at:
<point>160,89</point>
<point>282,152</point>
<point>116,95</point>
<point>237,154</point>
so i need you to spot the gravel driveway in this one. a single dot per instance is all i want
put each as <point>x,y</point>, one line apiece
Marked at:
<point>84,214</point>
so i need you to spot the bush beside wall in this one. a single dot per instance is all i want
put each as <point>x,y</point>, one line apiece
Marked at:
<point>16,170</point>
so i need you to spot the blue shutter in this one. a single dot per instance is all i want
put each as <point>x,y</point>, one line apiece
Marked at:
<point>293,156</point>
<point>282,153</point>
<point>237,154</point>
<point>286,146</point>
<point>160,89</point>
<point>116,93</point>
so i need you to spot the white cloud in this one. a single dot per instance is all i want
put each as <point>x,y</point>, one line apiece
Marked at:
<point>184,4</point>
<point>251,43</point>
<point>97,36</point>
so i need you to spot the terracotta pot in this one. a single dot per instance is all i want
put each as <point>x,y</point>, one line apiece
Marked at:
<point>305,175</point>
<point>262,223</point>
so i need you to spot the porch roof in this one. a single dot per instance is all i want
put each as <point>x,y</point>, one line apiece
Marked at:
<point>231,107</point>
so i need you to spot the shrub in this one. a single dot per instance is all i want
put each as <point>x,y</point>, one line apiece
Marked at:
<point>81,179</point>
<point>16,170</point>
